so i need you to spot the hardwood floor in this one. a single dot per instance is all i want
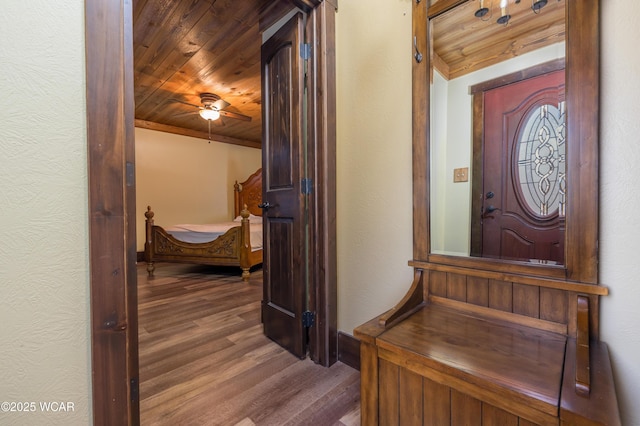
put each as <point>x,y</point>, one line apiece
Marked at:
<point>205,361</point>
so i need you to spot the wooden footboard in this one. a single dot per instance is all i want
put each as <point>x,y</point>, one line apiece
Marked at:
<point>233,248</point>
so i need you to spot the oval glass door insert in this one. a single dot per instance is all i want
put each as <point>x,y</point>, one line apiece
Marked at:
<point>541,158</point>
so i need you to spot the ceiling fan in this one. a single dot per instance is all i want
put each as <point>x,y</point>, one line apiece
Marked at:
<point>213,107</point>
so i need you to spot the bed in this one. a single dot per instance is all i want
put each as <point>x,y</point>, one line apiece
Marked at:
<point>235,243</point>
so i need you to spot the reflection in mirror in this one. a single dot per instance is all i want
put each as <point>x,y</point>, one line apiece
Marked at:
<point>502,84</point>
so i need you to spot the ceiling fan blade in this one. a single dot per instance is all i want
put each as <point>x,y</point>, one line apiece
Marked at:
<point>220,104</point>
<point>235,115</point>
<point>182,114</point>
<point>183,102</point>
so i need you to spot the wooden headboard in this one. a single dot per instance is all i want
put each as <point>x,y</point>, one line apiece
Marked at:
<point>248,192</point>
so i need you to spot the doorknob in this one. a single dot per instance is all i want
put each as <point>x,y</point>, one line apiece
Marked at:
<point>490,209</point>
<point>265,206</point>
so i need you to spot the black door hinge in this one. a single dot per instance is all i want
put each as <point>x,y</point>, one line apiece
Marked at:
<point>306,186</point>
<point>308,319</point>
<point>135,390</point>
<point>130,173</point>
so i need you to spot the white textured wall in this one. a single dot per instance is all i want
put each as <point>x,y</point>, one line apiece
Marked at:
<point>374,140</point>
<point>44,283</point>
<point>620,198</point>
<point>374,197</point>
<point>187,180</point>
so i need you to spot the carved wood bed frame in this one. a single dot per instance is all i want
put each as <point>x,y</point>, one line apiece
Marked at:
<point>233,248</point>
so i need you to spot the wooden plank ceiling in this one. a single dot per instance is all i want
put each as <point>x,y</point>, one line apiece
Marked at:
<point>463,43</point>
<point>185,48</point>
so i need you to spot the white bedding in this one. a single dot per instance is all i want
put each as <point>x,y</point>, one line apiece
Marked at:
<point>190,233</point>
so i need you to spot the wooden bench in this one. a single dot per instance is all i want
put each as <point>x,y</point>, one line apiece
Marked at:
<point>436,362</point>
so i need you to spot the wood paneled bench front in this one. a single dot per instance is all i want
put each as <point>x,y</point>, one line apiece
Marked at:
<point>445,362</point>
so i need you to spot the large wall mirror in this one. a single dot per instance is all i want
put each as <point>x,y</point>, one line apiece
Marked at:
<point>507,136</point>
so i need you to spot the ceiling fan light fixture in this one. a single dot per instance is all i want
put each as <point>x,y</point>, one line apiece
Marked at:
<point>209,114</point>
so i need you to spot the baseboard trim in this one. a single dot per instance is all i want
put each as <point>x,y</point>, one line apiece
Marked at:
<point>139,256</point>
<point>349,350</point>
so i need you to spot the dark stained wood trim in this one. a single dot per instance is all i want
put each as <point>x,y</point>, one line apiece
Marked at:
<point>477,178</point>
<point>321,163</point>
<point>196,134</point>
<point>583,100</point>
<point>132,353</point>
<point>114,331</point>
<point>349,350</point>
<point>524,279</point>
<point>140,256</point>
<point>534,71</point>
<point>601,406</point>
<point>420,108</point>
<point>410,303</point>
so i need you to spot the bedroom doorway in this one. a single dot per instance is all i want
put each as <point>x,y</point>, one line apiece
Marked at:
<point>111,175</point>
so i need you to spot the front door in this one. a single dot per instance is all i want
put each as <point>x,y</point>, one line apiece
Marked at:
<point>524,184</point>
<point>285,264</point>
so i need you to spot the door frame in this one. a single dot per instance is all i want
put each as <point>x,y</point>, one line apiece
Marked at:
<point>111,186</point>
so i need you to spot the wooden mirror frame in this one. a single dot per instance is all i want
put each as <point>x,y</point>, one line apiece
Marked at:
<point>582,96</point>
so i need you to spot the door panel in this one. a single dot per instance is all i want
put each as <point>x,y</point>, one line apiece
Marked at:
<point>281,265</point>
<point>284,251</point>
<point>523,170</point>
<point>280,122</point>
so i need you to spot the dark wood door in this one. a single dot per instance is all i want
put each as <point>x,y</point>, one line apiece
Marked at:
<point>285,251</point>
<point>524,182</point>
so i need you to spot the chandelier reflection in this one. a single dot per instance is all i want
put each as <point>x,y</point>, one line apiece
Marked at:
<point>485,13</point>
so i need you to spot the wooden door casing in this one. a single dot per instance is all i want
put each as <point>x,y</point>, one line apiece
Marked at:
<point>285,261</point>
<point>112,234</point>
<point>321,119</point>
<point>113,344</point>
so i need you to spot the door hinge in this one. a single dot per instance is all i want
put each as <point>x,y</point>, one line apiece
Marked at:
<point>130,173</point>
<point>134,390</point>
<point>305,51</point>
<point>306,186</point>
<point>308,319</point>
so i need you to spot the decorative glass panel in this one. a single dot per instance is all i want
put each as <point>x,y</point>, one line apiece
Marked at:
<point>541,159</point>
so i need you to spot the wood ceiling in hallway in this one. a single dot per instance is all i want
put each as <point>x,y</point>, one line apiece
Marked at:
<point>184,48</point>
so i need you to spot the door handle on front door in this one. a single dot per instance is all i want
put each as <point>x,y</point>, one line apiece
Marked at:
<point>490,209</point>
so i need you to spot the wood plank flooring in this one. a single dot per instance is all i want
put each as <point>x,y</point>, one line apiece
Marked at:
<point>205,361</point>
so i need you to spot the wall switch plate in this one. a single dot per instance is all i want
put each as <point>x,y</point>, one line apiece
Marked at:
<point>461,175</point>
